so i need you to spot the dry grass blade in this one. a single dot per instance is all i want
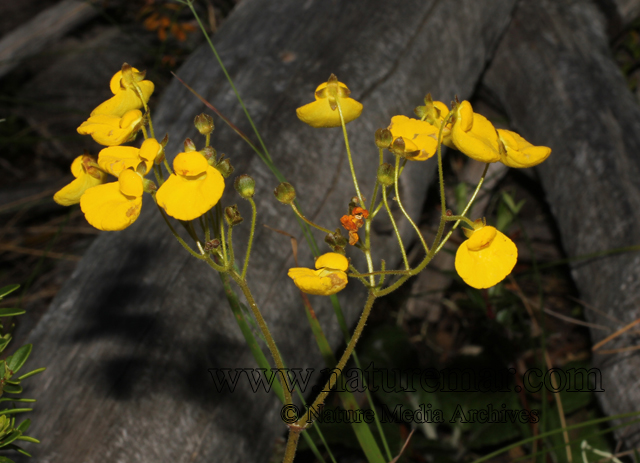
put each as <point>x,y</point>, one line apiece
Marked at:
<point>615,335</point>
<point>294,242</point>
<point>403,447</point>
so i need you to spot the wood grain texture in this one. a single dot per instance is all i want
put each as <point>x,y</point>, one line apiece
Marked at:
<point>554,74</point>
<point>129,339</point>
<point>36,34</point>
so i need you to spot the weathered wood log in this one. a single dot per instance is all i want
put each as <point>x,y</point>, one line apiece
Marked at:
<point>35,35</point>
<point>554,75</point>
<point>129,339</point>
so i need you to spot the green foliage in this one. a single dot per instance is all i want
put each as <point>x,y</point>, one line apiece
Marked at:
<point>10,430</point>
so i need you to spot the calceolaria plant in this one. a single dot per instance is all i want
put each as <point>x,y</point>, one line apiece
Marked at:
<point>191,189</point>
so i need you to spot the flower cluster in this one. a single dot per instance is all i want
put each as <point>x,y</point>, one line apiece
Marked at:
<point>191,190</point>
<point>483,260</point>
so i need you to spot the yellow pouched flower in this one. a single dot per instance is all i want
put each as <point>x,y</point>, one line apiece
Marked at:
<point>486,258</point>
<point>116,159</point>
<point>324,111</point>
<point>518,152</point>
<point>125,96</point>
<point>193,189</point>
<point>114,206</point>
<point>420,139</point>
<point>112,130</point>
<point>328,279</point>
<point>87,175</point>
<point>474,135</point>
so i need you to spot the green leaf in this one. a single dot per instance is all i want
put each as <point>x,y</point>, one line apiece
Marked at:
<point>6,460</point>
<point>31,373</point>
<point>16,399</point>
<point>15,410</point>
<point>29,439</point>
<point>10,438</point>
<point>12,389</point>
<point>24,426</point>
<point>15,362</point>
<point>7,290</point>
<point>19,449</point>
<point>11,312</point>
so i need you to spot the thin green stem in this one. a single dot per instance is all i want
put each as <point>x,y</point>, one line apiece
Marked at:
<point>395,228</point>
<point>343,359</point>
<point>220,219</point>
<point>271,344</point>
<point>426,248</point>
<point>466,209</point>
<point>224,70</point>
<point>451,218</point>
<point>346,142</point>
<point>299,214</point>
<point>251,234</point>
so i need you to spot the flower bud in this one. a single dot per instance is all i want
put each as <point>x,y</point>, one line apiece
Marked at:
<point>225,168</point>
<point>204,124</point>
<point>383,138</point>
<point>189,145</point>
<point>386,174</point>
<point>336,240</point>
<point>149,186</point>
<point>209,154</point>
<point>232,214</point>
<point>245,186</point>
<point>165,140</point>
<point>212,244</point>
<point>285,193</point>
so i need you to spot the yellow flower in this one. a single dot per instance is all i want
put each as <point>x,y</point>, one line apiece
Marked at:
<point>474,135</point>
<point>116,159</point>
<point>125,95</point>
<point>114,206</point>
<point>112,130</point>
<point>86,175</point>
<point>435,113</point>
<point>193,189</point>
<point>518,152</point>
<point>328,279</point>
<point>324,111</point>
<point>486,258</point>
<point>419,137</point>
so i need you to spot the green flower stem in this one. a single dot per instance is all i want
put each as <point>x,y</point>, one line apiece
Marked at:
<point>262,324</point>
<point>224,69</point>
<point>451,218</point>
<point>231,258</point>
<point>251,234</point>
<point>222,239</point>
<point>466,209</point>
<point>377,209</point>
<point>426,248</point>
<point>443,205</point>
<point>207,140</point>
<point>343,359</point>
<point>205,228</point>
<point>157,172</point>
<point>292,444</point>
<point>167,166</point>
<point>144,132</point>
<point>381,272</point>
<point>395,228</point>
<point>346,142</point>
<point>356,274</point>
<point>299,214</point>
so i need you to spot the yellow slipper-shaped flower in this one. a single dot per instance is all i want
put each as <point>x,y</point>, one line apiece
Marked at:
<point>323,112</point>
<point>474,135</point>
<point>419,137</point>
<point>118,158</point>
<point>125,96</point>
<point>86,174</point>
<point>486,258</point>
<point>193,189</point>
<point>518,152</point>
<point>328,279</point>
<point>435,114</point>
<point>114,206</point>
<point>112,130</point>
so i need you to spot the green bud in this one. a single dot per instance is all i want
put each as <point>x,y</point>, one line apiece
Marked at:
<point>209,154</point>
<point>245,186</point>
<point>225,168</point>
<point>232,214</point>
<point>165,140</point>
<point>420,111</point>
<point>285,193</point>
<point>204,124</point>
<point>386,174</point>
<point>149,186</point>
<point>336,241</point>
<point>189,145</point>
<point>383,138</point>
